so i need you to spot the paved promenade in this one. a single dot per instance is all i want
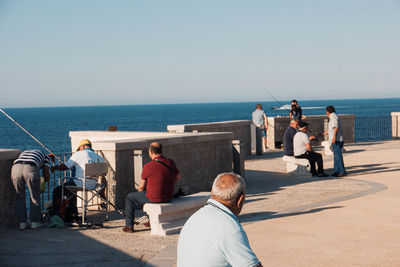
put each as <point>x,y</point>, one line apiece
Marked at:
<point>290,221</point>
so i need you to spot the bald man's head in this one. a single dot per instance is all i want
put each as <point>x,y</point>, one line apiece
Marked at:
<point>228,187</point>
<point>155,148</point>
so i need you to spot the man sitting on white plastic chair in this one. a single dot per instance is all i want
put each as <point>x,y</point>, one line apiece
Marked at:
<point>85,154</point>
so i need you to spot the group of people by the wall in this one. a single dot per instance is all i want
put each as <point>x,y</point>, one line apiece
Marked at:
<point>297,143</point>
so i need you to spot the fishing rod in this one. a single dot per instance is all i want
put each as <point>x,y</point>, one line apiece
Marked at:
<point>314,134</point>
<point>276,100</point>
<point>34,138</point>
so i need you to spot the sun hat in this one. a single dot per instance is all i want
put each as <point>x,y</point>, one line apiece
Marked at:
<point>84,142</point>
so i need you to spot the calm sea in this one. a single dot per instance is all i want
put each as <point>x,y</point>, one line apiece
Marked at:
<point>51,125</point>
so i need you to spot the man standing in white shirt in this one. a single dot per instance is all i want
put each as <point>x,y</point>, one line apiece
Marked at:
<point>302,149</point>
<point>337,141</point>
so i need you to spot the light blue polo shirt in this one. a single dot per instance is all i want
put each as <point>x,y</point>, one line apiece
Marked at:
<point>213,236</point>
<point>258,117</point>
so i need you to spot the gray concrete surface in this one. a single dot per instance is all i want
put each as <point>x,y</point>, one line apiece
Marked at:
<point>352,221</point>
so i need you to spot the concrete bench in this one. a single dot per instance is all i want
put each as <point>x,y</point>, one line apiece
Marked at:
<point>328,149</point>
<point>169,218</point>
<point>297,167</point>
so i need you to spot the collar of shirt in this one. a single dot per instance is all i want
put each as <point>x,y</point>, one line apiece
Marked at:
<point>222,207</point>
<point>158,157</point>
<point>88,148</point>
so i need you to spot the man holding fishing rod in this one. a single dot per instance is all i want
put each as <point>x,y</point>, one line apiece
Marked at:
<point>85,154</point>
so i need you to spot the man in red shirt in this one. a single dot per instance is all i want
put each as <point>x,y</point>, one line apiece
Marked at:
<point>157,185</point>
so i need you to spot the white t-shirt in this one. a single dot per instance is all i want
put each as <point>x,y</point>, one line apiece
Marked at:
<point>299,143</point>
<point>78,160</point>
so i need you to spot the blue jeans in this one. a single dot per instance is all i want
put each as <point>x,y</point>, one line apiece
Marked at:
<point>338,164</point>
<point>134,200</point>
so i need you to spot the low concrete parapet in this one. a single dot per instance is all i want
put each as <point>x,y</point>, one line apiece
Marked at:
<point>239,128</point>
<point>169,218</point>
<point>297,167</point>
<point>200,157</point>
<point>7,193</point>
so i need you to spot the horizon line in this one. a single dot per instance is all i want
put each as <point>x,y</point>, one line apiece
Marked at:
<point>196,103</point>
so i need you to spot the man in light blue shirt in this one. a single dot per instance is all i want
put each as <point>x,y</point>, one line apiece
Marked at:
<point>213,235</point>
<point>260,120</point>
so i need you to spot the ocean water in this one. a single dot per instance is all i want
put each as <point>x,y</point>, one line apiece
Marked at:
<point>51,125</point>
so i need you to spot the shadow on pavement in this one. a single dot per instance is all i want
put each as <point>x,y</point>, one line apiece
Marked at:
<point>354,151</point>
<point>264,183</point>
<point>372,168</point>
<point>58,247</point>
<point>266,215</point>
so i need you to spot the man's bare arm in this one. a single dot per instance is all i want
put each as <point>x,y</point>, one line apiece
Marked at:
<point>142,185</point>
<point>177,178</point>
<point>308,146</point>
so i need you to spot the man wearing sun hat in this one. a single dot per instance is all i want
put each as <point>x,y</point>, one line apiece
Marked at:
<point>85,154</point>
<point>302,149</point>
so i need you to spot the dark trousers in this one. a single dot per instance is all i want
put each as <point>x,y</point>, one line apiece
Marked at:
<point>313,158</point>
<point>134,200</point>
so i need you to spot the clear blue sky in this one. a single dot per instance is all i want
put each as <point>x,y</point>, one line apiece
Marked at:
<point>137,52</point>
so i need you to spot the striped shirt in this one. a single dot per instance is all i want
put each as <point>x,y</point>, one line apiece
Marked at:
<point>34,156</point>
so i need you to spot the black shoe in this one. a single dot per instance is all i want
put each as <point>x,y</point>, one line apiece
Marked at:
<point>322,175</point>
<point>335,174</point>
<point>314,174</point>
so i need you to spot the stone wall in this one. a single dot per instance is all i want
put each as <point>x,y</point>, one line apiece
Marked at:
<point>200,157</point>
<point>239,128</point>
<point>7,193</point>
<point>318,124</point>
<point>396,125</point>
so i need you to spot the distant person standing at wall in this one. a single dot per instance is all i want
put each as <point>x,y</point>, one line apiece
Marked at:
<point>288,138</point>
<point>336,139</point>
<point>159,177</point>
<point>26,171</point>
<point>260,120</point>
<point>296,113</point>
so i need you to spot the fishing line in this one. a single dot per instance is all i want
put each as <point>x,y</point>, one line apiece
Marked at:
<point>276,100</point>
<point>316,135</point>
<point>34,138</point>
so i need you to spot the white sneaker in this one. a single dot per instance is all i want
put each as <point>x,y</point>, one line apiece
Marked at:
<point>22,226</point>
<point>36,225</point>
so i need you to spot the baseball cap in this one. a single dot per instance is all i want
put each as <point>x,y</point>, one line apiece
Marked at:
<point>84,142</point>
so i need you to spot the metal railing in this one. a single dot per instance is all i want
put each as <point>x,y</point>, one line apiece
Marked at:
<point>55,180</point>
<point>372,128</point>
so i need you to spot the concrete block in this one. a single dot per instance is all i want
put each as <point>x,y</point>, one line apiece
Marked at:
<point>327,148</point>
<point>169,218</point>
<point>297,167</point>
